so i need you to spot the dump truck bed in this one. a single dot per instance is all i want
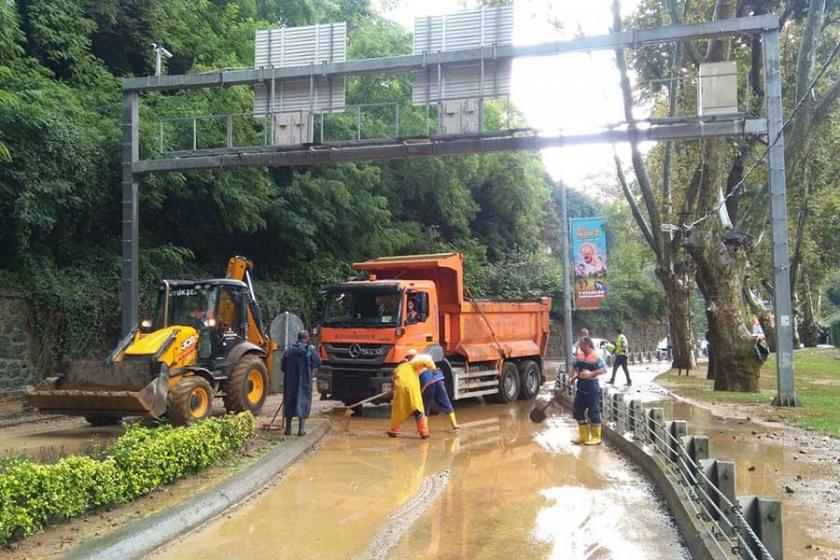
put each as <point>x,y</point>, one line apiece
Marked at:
<point>486,330</point>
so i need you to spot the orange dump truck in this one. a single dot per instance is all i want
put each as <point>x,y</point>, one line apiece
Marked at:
<point>483,347</point>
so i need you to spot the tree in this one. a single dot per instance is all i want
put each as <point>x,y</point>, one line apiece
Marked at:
<point>724,257</point>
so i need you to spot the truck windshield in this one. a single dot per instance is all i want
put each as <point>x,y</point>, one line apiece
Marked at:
<point>349,307</point>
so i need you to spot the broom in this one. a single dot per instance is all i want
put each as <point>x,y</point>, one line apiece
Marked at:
<point>270,426</point>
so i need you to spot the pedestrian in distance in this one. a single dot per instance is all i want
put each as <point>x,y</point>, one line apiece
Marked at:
<point>408,400</point>
<point>433,387</point>
<point>620,357</point>
<point>297,364</point>
<point>586,408</point>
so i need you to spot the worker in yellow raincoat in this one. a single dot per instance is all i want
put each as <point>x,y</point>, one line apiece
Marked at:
<point>408,400</point>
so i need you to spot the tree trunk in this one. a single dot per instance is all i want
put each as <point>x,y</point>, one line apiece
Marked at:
<point>721,270</point>
<point>678,298</point>
<point>809,330</point>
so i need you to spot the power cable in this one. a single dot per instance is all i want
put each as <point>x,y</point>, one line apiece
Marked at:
<point>740,185</point>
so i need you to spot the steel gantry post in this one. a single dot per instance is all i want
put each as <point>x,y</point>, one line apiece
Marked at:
<point>567,288</point>
<point>786,395</point>
<point>130,212</point>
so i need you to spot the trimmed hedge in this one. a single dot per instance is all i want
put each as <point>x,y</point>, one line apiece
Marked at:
<point>34,496</point>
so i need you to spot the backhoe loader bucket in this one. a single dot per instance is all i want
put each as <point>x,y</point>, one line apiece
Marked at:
<point>98,388</point>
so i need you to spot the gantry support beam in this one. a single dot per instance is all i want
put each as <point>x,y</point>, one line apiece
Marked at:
<point>626,39</point>
<point>325,154</point>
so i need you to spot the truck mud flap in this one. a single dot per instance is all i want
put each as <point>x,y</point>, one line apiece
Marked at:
<point>96,388</point>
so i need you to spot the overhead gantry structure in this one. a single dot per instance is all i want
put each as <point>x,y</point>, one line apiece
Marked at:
<point>317,152</point>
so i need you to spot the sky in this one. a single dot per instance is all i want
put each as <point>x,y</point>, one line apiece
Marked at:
<point>570,93</point>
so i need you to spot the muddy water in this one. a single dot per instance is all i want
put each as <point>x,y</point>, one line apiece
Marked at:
<point>501,488</point>
<point>764,466</point>
<point>47,441</point>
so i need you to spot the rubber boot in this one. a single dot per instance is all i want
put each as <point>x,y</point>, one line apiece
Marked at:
<point>422,427</point>
<point>452,419</point>
<point>288,431</point>
<point>594,435</point>
<point>583,434</point>
<point>301,431</point>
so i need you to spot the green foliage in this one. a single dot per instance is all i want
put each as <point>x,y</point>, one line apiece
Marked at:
<point>834,331</point>
<point>34,496</point>
<point>60,195</point>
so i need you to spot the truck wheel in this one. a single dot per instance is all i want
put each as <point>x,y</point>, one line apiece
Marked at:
<point>103,420</point>
<point>531,379</point>
<point>190,401</point>
<point>247,385</point>
<point>508,384</point>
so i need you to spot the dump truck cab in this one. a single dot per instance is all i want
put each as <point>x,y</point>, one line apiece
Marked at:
<point>484,348</point>
<point>367,328</point>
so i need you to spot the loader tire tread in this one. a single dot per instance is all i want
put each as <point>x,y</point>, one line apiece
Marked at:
<point>179,407</point>
<point>236,397</point>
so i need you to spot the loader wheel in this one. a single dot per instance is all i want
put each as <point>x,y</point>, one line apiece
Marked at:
<point>103,420</point>
<point>190,401</point>
<point>247,385</point>
<point>508,384</point>
<point>529,375</point>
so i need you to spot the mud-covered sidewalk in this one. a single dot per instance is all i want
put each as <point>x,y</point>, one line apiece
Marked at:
<point>772,459</point>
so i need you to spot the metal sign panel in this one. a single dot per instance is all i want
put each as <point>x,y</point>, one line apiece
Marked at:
<point>327,95</point>
<point>463,30</point>
<point>300,46</point>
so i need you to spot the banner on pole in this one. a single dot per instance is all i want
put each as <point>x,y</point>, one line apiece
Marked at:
<point>589,249</point>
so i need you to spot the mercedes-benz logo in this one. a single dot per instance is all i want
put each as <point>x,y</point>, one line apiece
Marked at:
<point>355,350</point>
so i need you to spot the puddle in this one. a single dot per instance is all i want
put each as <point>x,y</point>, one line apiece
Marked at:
<point>767,459</point>
<point>501,488</point>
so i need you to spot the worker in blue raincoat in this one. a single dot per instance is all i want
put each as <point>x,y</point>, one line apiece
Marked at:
<point>298,363</point>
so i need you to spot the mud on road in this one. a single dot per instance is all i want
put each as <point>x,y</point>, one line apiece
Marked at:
<point>501,488</point>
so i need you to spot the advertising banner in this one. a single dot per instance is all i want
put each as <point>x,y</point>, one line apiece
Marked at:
<point>589,252</point>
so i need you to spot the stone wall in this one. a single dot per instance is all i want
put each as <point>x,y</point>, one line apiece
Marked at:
<point>642,336</point>
<point>17,343</point>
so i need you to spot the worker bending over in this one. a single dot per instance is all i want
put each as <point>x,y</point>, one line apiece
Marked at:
<point>408,400</point>
<point>433,387</point>
<point>587,404</point>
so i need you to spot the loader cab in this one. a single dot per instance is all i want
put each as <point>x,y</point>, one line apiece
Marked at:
<point>216,308</point>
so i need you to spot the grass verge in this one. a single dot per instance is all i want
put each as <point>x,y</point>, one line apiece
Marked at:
<point>817,373</point>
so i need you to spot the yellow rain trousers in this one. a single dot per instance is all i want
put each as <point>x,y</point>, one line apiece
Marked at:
<point>408,400</point>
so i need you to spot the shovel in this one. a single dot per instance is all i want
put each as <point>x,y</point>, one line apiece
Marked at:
<point>538,414</point>
<point>348,410</point>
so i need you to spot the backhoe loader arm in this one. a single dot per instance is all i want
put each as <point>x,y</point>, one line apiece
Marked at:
<point>239,269</point>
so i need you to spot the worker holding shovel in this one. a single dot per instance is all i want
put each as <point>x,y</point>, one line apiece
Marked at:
<point>587,404</point>
<point>408,400</point>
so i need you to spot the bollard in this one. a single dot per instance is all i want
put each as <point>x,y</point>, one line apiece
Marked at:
<point>697,448</point>
<point>618,413</point>
<point>649,357</point>
<point>635,422</point>
<point>678,429</point>
<point>655,418</point>
<point>605,398</point>
<point>764,516</point>
<point>722,475</point>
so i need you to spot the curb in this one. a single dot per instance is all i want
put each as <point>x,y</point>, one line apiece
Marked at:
<point>696,540</point>
<point>144,536</point>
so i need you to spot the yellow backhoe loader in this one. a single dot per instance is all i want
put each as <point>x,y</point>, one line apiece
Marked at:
<point>206,340</point>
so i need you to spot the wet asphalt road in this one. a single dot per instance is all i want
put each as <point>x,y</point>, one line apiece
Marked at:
<point>501,488</point>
